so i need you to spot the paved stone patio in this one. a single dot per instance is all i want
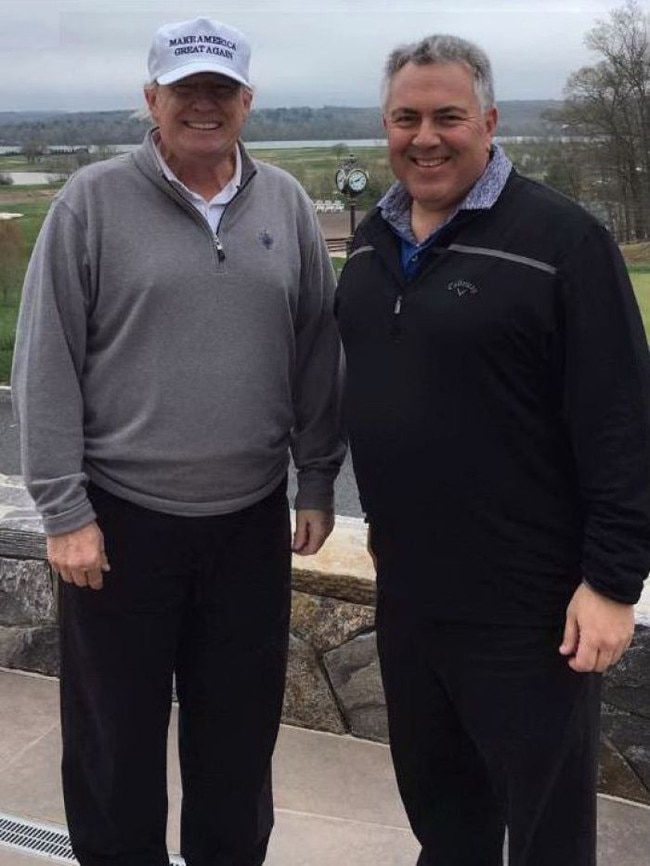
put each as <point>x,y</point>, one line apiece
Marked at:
<point>336,800</point>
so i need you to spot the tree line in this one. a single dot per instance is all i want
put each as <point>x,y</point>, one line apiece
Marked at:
<point>32,134</point>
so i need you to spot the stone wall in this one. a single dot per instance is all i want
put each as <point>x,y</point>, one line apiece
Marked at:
<point>28,615</point>
<point>333,681</point>
<point>625,738</point>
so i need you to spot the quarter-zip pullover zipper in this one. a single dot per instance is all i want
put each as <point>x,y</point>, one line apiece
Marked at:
<point>189,207</point>
<point>220,251</point>
<point>396,330</point>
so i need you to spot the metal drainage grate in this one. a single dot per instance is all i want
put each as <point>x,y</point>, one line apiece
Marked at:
<point>43,840</point>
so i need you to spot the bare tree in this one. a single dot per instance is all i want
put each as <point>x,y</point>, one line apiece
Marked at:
<point>609,104</point>
<point>33,149</point>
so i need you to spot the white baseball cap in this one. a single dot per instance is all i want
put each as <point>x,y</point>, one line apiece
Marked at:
<point>199,45</point>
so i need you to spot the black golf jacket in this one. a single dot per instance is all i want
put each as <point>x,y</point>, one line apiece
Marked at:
<point>498,410</point>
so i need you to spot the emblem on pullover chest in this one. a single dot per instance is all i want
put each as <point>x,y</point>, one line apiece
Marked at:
<point>462,288</point>
<point>266,239</point>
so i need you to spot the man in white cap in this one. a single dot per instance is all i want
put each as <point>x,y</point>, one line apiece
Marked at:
<point>176,341</point>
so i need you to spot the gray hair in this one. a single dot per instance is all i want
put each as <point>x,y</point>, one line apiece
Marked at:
<point>442,48</point>
<point>143,112</point>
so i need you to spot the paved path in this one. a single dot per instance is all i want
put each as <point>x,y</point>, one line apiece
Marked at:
<point>336,798</point>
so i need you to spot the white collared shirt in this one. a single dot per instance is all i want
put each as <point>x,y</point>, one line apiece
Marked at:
<point>211,210</point>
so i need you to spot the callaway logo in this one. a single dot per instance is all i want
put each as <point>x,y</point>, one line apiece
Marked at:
<point>462,287</point>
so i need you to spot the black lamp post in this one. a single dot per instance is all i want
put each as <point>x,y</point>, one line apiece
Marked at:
<point>351,180</point>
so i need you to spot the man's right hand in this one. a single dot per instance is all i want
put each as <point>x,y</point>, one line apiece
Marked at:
<point>79,556</point>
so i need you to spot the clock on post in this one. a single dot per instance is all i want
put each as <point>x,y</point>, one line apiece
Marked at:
<point>351,181</point>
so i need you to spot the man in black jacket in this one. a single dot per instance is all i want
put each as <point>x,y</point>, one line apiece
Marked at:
<point>497,403</point>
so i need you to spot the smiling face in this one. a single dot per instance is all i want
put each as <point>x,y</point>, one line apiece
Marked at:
<point>200,119</point>
<point>439,137</point>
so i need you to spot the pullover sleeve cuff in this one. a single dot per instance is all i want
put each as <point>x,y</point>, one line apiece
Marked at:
<point>69,521</point>
<point>628,593</point>
<point>315,490</point>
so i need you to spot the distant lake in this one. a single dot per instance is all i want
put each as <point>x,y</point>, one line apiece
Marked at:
<point>251,145</point>
<point>31,178</point>
<point>284,145</point>
<point>350,143</point>
<point>35,177</point>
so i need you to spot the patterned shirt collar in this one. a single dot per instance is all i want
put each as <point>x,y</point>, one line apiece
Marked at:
<point>395,205</point>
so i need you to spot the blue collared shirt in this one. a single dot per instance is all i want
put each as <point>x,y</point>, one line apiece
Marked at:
<point>395,207</point>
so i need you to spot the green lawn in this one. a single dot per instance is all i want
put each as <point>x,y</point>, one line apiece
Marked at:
<point>33,214</point>
<point>13,261</point>
<point>16,162</point>
<point>7,336</point>
<point>641,282</point>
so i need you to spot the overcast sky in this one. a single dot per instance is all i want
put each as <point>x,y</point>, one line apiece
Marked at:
<point>91,54</point>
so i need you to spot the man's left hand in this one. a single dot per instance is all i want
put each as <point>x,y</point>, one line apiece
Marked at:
<point>598,630</point>
<point>312,528</point>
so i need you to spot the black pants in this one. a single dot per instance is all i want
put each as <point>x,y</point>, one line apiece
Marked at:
<point>490,728</point>
<point>209,600</point>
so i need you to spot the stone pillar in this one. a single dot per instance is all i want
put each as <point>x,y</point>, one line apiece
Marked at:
<point>28,616</point>
<point>333,679</point>
<point>625,737</point>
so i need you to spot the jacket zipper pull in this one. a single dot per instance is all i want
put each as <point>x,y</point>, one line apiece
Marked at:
<point>397,309</point>
<point>220,251</point>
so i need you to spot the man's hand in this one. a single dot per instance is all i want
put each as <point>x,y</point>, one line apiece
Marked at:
<point>79,556</point>
<point>312,528</point>
<point>597,630</point>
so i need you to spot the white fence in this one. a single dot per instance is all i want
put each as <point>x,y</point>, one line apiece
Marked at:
<point>328,206</point>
